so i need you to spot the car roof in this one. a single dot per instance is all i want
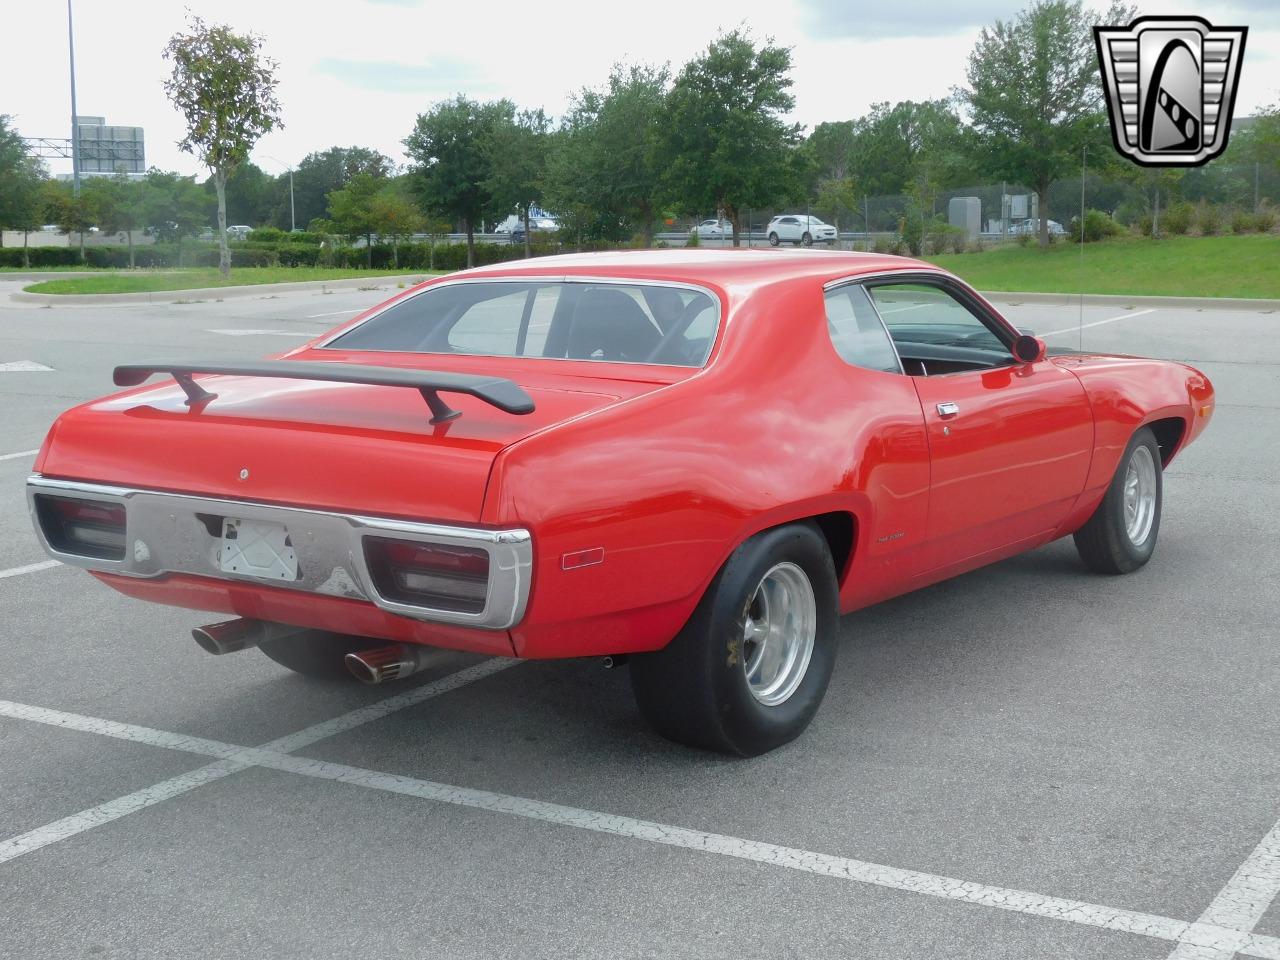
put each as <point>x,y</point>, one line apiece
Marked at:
<point>745,266</point>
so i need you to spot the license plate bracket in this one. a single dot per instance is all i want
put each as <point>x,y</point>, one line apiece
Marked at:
<point>257,548</point>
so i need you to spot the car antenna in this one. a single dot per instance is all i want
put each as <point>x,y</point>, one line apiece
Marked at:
<point>1084,163</point>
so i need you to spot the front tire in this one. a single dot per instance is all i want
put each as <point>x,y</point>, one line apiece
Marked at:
<point>749,669</point>
<point>773,239</point>
<point>315,653</point>
<point>807,239</point>
<point>1121,535</point>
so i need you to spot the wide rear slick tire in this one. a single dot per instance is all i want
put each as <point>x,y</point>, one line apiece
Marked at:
<point>315,654</point>
<point>696,690</point>
<point>1121,535</point>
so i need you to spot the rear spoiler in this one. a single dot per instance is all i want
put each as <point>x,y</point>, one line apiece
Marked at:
<point>495,391</point>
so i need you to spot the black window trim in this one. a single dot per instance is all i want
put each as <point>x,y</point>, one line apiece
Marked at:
<point>967,298</point>
<point>961,292</point>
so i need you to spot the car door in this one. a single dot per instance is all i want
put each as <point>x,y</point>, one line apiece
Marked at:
<point>886,444</point>
<point>1009,442</point>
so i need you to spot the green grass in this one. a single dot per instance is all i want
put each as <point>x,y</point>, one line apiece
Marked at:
<point>1227,266</point>
<point>155,281</point>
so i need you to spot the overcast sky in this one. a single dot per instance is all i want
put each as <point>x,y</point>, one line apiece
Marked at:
<point>361,73</point>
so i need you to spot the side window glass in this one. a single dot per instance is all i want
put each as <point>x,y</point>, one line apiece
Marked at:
<point>920,313</point>
<point>490,326</point>
<point>856,331</point>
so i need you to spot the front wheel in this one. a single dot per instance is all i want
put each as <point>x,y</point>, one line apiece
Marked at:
<point>749,669</point>
<point>773,239</point>
<point>807,239</point>
<point>1120,537</point>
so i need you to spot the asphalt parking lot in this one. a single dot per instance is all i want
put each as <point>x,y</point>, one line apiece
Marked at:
<point>1029,761</point>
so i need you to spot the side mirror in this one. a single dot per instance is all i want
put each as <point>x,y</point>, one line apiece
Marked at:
<point>1029,349</point>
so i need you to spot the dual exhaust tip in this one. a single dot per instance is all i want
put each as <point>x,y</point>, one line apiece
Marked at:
<point>393,661</point>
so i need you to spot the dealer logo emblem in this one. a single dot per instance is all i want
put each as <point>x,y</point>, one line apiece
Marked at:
<point>1171,86</point>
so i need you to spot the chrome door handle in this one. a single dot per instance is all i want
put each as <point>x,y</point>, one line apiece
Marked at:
<point>948,409</point>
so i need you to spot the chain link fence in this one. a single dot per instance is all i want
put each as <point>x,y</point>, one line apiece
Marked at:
<point>1217,198</point>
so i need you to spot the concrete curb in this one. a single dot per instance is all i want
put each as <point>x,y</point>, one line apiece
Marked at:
<point>261,290</point>
<point>1121,300</point>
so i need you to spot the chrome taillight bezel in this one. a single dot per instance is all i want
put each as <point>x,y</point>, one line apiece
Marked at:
<point>168,533</point>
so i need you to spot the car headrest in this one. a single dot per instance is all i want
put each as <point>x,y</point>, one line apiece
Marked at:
<point>609,325</point>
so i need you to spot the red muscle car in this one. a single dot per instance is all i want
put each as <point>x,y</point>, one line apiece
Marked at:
<point>699,459</point>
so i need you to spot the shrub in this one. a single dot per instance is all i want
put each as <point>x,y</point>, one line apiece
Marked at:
<point>1177,219</point>
<point>266,235</point>
<point>40,256</point>
<point>1242,221</point>
<point>1208,219</point>
<point>1265,220</point>
<point>1097,226</point>
<point>1145,224</point>
<point>1024,239</point>
<point>694,240</point>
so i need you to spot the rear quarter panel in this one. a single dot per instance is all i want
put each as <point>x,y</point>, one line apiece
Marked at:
<point>668,484</point>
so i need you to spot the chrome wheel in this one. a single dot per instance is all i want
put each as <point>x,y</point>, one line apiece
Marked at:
<point>1140,495</point>
<point>778,639</point>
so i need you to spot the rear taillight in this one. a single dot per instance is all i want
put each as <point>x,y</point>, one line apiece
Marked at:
<point>85,528</point>
<point>434,575</point>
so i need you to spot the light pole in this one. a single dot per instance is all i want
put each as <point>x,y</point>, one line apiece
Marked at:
<point>75,126</point>
<point>293,223</point>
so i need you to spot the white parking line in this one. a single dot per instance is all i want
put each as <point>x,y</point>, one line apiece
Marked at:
<point>1201,934</point>
<point>1245,899</point>
<point>332,313</point>
<point>232,758</point>
<point>24,366</point>
<point>1097,323</point>
<point>19,455</point>
<point>29,568</point>
<point>263,333</point>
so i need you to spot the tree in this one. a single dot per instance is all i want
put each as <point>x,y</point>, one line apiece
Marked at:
<point>517,164</point>
<point>896,148</point>
<point>72,214</point>
<point>21,177</point>
<point>451,147</point>
<point>352,210</point>
<point>320,173</point>
<point>226,91</point>
<point>118,204</point>
<point>176,207</point>
<point>1035,94</point>
<point>253,195</point>
<point>396,215</point>
<point>726,143</point>
<point>605,168</point>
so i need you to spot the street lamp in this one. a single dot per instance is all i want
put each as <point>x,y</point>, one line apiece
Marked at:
<point>293,223</point>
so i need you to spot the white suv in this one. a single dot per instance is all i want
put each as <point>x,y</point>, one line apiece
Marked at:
<point>798,229</point>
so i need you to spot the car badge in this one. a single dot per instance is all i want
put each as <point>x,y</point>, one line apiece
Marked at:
<point>1170,86</point>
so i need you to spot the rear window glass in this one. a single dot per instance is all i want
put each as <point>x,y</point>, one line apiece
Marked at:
<point>618,322</point>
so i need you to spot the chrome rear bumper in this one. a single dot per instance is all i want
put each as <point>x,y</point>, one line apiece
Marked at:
<point>175,533</point>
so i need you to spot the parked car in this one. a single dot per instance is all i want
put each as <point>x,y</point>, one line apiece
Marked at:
<point>239,231</point>
<point>616,454</point>
<point>536,225</point>
<point>1032,228</point>
<point>713,229</point>
<point>800,230</point>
